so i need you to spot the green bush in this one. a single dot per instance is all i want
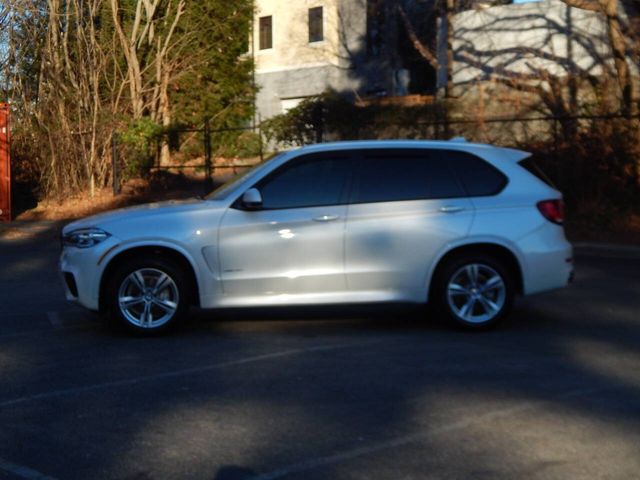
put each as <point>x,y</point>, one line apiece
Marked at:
<point>236,144</point>
<point>333,117</point>
<point>138,146</point>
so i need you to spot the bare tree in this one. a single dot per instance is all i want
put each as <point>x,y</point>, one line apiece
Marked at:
<point>623,40</point>
<point>4,37</point>
<point>610,10</point>
<point>147,48</point>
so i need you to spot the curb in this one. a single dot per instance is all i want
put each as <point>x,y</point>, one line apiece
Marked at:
<point>610,249</point>
<point>29,229</point>
<point>29,224</point>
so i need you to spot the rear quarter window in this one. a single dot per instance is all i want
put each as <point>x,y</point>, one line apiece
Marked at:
<point>478,177</point>
<point>531,166</point>
<point>403,175</point>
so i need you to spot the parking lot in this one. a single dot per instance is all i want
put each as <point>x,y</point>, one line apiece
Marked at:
<point>341,393</point>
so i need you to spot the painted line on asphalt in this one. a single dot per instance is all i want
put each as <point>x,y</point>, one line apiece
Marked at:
<point>54,319</point>
<point>329,460</point>
<point>181,373</point>
<point>21,471</point>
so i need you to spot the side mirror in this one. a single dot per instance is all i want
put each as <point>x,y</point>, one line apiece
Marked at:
<point>252,199</point>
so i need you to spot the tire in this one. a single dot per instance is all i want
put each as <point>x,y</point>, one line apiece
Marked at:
<point>148,295</point>
<point>475,292</point>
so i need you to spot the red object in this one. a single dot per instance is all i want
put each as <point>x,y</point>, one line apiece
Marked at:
<point>552,210</point>
<point>5,164</point>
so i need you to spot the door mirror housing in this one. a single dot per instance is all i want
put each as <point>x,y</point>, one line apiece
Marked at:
<point>252,199</point>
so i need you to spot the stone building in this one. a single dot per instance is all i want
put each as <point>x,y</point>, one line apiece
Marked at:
<point>361,48</point>
<point>305,47</point>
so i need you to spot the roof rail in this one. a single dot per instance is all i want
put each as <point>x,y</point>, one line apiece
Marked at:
<point>458,139</point>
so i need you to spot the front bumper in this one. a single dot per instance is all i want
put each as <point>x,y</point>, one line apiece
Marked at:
<point>81,270</point>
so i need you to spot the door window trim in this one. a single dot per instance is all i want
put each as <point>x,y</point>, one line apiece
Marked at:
<point>340,155</point>
<point>413,152</point>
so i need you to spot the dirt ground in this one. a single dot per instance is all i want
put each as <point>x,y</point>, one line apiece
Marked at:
<point>134,192</point>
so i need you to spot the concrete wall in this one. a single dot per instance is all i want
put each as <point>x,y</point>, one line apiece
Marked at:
<point>294,68</point>
<point>528,38</point>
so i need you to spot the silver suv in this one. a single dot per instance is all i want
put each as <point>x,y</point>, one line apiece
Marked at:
<point>464,226</point>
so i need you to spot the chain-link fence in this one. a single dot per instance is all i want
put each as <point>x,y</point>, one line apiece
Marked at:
<point>200,155</point>
<point>594,160</point>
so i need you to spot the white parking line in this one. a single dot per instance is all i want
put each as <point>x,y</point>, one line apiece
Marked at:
<point>21,471</point>
<point>337,458</point>
<point>180,373</point>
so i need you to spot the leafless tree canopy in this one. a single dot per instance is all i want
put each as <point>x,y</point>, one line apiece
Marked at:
<point>75,71</point>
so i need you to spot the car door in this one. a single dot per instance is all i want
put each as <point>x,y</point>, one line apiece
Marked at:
<point>294,243</point>
<point>406,205</point>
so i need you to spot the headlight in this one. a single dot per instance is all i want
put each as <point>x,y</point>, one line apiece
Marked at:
<point>84,237</point>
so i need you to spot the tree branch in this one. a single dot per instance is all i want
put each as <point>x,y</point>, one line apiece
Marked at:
<point>417,44</point>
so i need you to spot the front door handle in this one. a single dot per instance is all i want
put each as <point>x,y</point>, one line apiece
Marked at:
<point>451,209</point>
<point>325,218</point>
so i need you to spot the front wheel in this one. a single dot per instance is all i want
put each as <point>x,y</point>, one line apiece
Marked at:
<point>475,292</point>
<point>148,295</point>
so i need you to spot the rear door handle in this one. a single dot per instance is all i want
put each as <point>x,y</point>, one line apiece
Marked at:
<point>325,218</point>
<point>451,209</point>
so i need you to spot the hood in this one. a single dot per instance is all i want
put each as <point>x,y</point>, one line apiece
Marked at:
<point>146,211</point>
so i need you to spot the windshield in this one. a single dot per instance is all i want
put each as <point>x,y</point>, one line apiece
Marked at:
<point>223,190</point>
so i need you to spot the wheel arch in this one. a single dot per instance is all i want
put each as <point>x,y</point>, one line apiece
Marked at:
<point>160,250</point>
<point>496,250</point>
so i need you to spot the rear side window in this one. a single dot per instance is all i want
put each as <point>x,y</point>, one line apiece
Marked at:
<point>392,176</point>
<point>479,178</point>
<point>531,166</point>
<point>306,182</point>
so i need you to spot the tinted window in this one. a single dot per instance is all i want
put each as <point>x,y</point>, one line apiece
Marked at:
<point>398,176</point>
<point>305,183</point>
<point>532,167</point>
<point>478,177</point>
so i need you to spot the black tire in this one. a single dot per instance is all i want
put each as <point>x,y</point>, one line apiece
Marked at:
<point>163,303</point>
<point>478,304</point>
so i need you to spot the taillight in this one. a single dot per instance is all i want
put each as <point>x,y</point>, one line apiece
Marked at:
<point>552,210</point>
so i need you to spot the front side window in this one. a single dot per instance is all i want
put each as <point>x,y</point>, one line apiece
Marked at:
<point>306,182</point>
<point>393,176</point>
<point>316,31</point>
<point>266,32</point>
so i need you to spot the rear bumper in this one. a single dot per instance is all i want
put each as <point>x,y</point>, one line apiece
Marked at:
<point>549,262</point>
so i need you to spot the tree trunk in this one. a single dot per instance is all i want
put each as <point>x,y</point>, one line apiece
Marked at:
<point>609,8</point>
<point>449,13</point>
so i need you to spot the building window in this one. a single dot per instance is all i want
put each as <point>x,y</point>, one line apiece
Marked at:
<point>266,32</point>
<point>375,27</point>
<point>316,33</point>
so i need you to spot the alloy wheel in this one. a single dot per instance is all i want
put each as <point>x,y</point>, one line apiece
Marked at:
<point>148,298</point>
<point>476,293</point>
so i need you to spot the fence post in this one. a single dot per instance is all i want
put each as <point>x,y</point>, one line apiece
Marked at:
<point>555,138</point>
<point>318,120</point>
<point>207,154</point>
<point>260,138</point>
<point>115,165</point>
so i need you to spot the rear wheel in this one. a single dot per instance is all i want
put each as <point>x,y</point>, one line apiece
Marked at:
<point>475,291</point>
<point>148,295</point>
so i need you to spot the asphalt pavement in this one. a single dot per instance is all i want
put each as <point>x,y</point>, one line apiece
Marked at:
<point>342,393</point>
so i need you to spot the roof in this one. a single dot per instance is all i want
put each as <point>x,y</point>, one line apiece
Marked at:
<point>455,144</point>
